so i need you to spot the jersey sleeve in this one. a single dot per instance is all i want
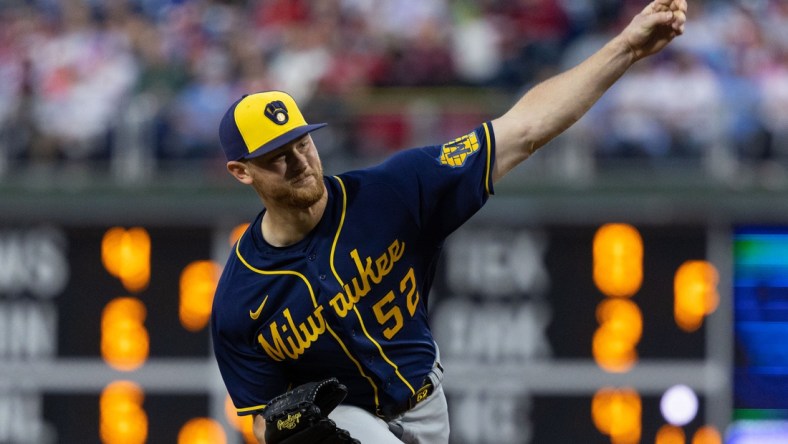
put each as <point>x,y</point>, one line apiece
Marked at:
<point>443,185</point>
<point>252,379</point>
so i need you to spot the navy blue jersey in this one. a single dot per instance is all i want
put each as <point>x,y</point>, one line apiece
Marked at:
<point>350,299</point>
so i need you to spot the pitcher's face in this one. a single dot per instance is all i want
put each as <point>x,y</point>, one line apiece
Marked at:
<point>291,175</point>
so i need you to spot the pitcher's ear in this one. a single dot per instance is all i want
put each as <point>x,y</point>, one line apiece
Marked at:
<point>240,170</point>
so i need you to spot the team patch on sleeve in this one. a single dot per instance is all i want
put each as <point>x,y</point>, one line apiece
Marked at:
<point>455,152</point>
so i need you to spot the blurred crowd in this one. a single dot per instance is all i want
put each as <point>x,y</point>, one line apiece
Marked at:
<point>96,80</point>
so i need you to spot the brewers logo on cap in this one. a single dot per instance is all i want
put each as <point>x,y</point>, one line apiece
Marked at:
<point>259,123</point>
<point>277,112</point>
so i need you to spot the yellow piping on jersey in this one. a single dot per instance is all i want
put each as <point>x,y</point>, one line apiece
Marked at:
<point>489,157</point>
<point>261,406</point>
<point>396,369</point>
<point>331,261</point>
<point>264,272</point>
<point>314,302</point>
<point>249,409</point>
<point>341,283</point>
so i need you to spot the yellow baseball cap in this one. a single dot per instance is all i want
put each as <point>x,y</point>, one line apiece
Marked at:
<point>260,123</point>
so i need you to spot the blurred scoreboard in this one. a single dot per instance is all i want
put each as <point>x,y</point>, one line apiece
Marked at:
<point>61,350</point>
<point>538,346</point>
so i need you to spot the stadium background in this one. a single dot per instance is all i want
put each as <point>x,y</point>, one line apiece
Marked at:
<point>116,211</point>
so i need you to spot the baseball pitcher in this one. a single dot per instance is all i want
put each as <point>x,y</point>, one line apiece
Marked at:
<point>319,323</point>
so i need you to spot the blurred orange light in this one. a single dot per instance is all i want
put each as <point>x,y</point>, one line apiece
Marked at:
<point>670,434</point>
<point>614,342</point>
<point>621,317</point>
<point>202,431</point>
<point>121,417</point>
<point>124,339</point>
<point>245,424</point>
<point>707,435</point>
<point>197,286</point>
<point>695,293</point>
<point>617,413</point>
<point>618,260</point>
<point>612,353</point>
<point>126,255</point>
<point>236,233</point>
<point>121,396</point>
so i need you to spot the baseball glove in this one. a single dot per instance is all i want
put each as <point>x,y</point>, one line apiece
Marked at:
<point>300,416</point>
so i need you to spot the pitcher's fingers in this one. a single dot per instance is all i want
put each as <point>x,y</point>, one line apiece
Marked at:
<point>657,6</point>
<point>679,19</point>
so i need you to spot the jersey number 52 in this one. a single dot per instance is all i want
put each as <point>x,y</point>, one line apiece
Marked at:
<point>386,309</point>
